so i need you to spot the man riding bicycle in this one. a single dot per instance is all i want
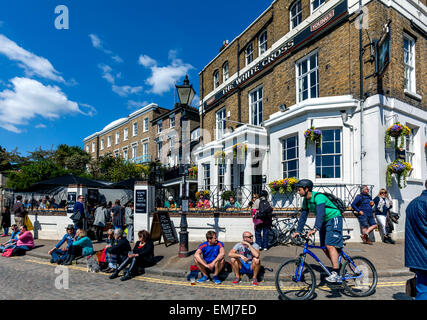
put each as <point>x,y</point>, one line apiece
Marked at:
<point>328,222</point>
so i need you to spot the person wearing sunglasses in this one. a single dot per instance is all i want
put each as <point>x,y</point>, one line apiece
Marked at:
<point>245,259</point>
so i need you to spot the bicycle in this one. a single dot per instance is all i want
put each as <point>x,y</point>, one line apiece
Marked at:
<point>282,230</point>
<point>295,279</point>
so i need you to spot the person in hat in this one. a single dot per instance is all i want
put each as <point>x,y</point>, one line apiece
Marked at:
<point>60,254</point>
<point>170,203</point>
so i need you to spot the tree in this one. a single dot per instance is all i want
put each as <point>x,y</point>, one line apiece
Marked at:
<point>74,158</point>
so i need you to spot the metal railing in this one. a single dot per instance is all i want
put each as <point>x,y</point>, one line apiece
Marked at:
<point>146,158</point>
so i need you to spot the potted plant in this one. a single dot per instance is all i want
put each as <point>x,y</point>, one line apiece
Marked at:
<point>400,169</point>
<point>282,186</point>
<point>396,130</point>
<point>219,155</point>
<point>239,149</point>
<point>313,135</point>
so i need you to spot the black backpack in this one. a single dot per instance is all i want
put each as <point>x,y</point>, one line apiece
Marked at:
<point>337,202</point>
<point>264,210</point>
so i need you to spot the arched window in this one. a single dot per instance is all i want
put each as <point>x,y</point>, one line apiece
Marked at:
<point>262,42</point>
<point>216,79</point>
<point>225,71</point>
<point>295,12</point>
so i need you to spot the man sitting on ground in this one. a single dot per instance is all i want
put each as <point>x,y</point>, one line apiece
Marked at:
<point>59,255</point>
<point>120,247</point>
<point>213,257</point>
<point>245,258</point>
<point>13,239</point>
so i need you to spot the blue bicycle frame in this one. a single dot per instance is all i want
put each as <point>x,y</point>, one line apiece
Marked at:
<point>298,272</point>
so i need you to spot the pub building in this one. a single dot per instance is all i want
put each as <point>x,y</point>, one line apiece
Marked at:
<point>348,70</point>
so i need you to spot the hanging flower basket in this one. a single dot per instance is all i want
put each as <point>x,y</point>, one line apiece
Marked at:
<point>401,169</point>
<point>206,194</point>
<point>219,155</point>
<point>396,130</point>
<point>239,150</point>
<point>313,135</point>
<point>282,186</point>
<point>192,172</point>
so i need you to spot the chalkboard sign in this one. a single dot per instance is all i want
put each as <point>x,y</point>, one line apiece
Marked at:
<point>162,225</point>
<point>141,201</point>
<point>71,200</point>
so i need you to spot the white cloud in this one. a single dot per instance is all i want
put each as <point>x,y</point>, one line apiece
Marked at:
<point>97,43</point>
<point>31,63</point>
<point>40,126</point>
<point>29,99</point>
<point>196,101</point>
<point>163,79</point>
<point>123,91</point>
<point>133,105</point>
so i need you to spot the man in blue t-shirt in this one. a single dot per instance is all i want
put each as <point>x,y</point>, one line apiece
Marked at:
<point>13,239</point>
<point>209,257</point>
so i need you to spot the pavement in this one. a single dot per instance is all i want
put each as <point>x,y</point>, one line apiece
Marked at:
<point>388,259</point>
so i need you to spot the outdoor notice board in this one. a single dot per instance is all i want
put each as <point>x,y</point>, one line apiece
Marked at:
<point>162,225</point>
<point>141,201</point>
<point>71,200</point>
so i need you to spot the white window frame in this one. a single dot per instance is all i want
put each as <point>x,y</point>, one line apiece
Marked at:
<point>221,176</point>
<point>125,134</point>
<point>257,105</point>
<point>297,14</point>
<point>134,151</point>
<point>93,147</point>
<point>263,43</point>
<point>321,3</point>
<point>220,123</point>
<point>334,154</point>
<point>159,126</point>
<point>125,153</point>
<point>286,161</point>
<point>410,84</point>
<point>117,137</point>
<point>309,74</point>
<point>108,141</point>
<point>172,121</point>
<point>145,125</point>
<point>87,148</point>
<point>216,79</point>
<point>134,129</point>
<point>225,71</point>
<point>102,144</point>
<point>411,154</point>
<point>145,148</point>
<point>159,146</point>
<point>116,153</point>
<point>206,175</point>
<point>249,53</point>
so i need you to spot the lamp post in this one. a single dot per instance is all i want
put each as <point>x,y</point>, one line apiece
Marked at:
<point>185,95</point>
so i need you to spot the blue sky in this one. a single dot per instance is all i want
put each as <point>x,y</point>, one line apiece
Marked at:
<point>60,86</point>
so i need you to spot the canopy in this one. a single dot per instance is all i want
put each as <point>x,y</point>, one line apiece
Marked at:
<point>127,184</point>
<point>67,180</point>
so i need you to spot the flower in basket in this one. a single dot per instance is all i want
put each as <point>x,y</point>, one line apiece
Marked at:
<point>313,135</point>
<point>396,130</point>
<point>282,186</point>
<point>400,169</point>
<point>206,194</point>
<point>219,155</point>
<point>239,149</point>
<point>192,172</point>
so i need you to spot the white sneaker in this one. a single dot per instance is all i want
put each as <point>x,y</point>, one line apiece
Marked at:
<point>334,278</point>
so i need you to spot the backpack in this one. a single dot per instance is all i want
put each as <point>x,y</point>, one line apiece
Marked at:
<point>337,202</point>
<point>265,210</point>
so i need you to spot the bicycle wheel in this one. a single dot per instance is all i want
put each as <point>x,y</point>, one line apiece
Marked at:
<point>287,285</point>
<point>273,236</point>
<point>359,276</point>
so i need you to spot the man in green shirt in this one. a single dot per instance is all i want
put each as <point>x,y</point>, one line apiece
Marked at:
<point>328,222</point>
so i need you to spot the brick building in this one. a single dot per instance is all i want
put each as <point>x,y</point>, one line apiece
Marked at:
<point>312,63</point>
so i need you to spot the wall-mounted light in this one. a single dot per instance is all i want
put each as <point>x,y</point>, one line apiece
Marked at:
<point>344,115</point>
<point>283,107</point>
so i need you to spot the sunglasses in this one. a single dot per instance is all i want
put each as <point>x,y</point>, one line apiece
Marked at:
<point>249,236</point>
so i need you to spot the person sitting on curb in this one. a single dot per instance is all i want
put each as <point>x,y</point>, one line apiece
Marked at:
<point>110,259</point>
<point>80,247</point>
<point>213,257</point>
<point>120,247</point>
<point>232,203</point>
<point>13,239</point>
<point>142,257</point>
<point>25,241</point>
<point>245,258</point>
<point>59,255</point>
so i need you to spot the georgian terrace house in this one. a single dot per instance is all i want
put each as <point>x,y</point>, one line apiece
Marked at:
<point>347,67</point>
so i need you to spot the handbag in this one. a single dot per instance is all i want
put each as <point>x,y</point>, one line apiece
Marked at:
<point>7,253</point>
<point>411,287</point>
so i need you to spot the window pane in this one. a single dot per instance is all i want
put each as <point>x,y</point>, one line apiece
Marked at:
<point>291,154</point>
<point>327,161</point>
<point>292,165</point>
<point>327,172</point>
<point>327,135</point>
<point>337,172</point>
<point>327,147</point>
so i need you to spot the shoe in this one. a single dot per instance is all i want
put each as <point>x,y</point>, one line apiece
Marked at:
<point>114,275</point>
<point>216,280</point>
<point>334,278</point>
<point>255,282</point>
<point>110,270</point>
<point>236,280</point>
<point>52,261</point>
<point>265,249</point>
<point>363,236</point>
<point>202,279</point>
<point>126,277</point>
<point>4,235</point>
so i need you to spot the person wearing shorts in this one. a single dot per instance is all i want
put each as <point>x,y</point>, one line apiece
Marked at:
<point>209,257</point>
<point>362,204</point>
<point>245,258</point>
<point>328,222</point>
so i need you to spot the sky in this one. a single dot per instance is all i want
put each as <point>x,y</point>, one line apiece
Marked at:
<point>62,80</point>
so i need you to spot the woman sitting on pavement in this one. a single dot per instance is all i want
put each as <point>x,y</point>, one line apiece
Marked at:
<point>142,257</point>
<point>120,247</point>
<point>110,259</point>
<point>59,255</point>
<point>13,239</point>
<point>83,246</point>
<point>25,241</point>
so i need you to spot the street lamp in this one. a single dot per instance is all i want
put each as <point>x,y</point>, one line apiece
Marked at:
<point>186,94</point>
